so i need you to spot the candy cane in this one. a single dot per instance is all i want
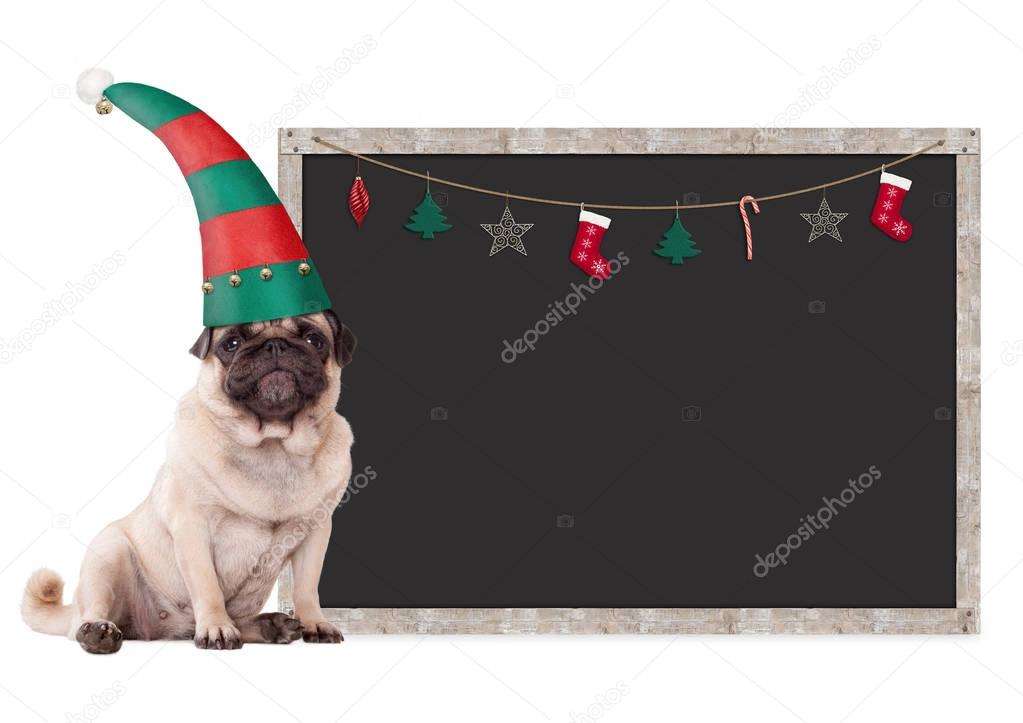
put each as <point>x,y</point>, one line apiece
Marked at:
<point>745,222</point>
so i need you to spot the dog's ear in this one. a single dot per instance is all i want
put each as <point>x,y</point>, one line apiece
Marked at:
<point>344,339</point>
<point>202,345</point>
<point>345,348</point>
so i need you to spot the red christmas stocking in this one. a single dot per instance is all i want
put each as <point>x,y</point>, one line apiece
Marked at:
<point>887,213</point>
<point>586,249</point>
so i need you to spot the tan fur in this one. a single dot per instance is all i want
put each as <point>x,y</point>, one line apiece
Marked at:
<point>233,502</point>
<point>42,605</point>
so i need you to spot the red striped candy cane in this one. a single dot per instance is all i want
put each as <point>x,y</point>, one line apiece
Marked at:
<point>745,222</point>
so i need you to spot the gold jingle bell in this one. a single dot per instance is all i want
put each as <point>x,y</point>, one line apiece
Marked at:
<point>234,280</point>
<point>304,269</point>
<point>265,273</point>
<point>207,287</point>
<point>104,106</point>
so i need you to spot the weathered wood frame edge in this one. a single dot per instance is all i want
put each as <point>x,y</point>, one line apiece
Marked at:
<point>963,142</point>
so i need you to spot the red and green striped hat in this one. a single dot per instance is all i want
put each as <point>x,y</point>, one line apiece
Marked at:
<point>255,266</point>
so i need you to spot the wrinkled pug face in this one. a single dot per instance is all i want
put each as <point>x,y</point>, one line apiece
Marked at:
<point>276,368</point>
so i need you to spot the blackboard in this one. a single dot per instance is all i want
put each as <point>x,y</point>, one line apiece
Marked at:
<point>653,448</point>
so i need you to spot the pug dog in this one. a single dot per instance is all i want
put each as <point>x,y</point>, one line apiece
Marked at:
<point>256,463</point>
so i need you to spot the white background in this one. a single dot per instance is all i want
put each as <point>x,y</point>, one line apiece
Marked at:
<point>84,412</point>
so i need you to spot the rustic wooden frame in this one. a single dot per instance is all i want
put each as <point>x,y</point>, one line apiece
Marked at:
<point>963,142</point>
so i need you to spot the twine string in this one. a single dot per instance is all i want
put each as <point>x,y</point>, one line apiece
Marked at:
<point>615,206</point>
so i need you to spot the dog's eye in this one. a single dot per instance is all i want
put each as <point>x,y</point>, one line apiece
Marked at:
<point>231,344</point>
<point>315,339</point>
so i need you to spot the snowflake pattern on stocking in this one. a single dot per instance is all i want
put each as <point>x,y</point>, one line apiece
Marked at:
<point>887,214</point>
<point>585,253</point>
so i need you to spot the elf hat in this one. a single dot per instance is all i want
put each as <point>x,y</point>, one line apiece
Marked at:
<point>255,266</point>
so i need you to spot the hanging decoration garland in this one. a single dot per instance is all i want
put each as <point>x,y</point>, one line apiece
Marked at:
<point>824,222</point>
<point>506,233</point>
<point>427,218</point>
<point>619,207</point>
<point>677,243</point>
<point>358,198</point>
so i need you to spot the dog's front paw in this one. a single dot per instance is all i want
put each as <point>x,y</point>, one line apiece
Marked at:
<point>278,628</point>
<point>218,636</point>
<point>100,637</point>
<point>323,632</point>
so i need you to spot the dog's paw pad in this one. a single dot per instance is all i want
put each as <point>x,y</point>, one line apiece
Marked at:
<point>322,633</point>
<point>100,637</point>
<point>278,628</point>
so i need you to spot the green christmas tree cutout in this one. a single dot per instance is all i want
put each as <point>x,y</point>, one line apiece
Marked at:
<point>677,244</point>
<point>427,219</point>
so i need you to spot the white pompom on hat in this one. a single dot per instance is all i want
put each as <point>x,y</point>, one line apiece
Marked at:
<point>91,84</point>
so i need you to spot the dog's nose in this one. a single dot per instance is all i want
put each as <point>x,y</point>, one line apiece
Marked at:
<point>275,346</point>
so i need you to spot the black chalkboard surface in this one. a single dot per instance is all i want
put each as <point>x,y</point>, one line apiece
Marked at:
<point>683,424</point>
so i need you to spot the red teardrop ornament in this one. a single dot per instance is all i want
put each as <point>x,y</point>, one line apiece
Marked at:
<point>358,200</point>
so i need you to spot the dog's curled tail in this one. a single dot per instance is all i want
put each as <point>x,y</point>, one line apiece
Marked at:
<point>42,607</point>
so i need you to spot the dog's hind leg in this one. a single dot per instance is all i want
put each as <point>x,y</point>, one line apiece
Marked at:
<point>100,599</point>
<point>269,628</point>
